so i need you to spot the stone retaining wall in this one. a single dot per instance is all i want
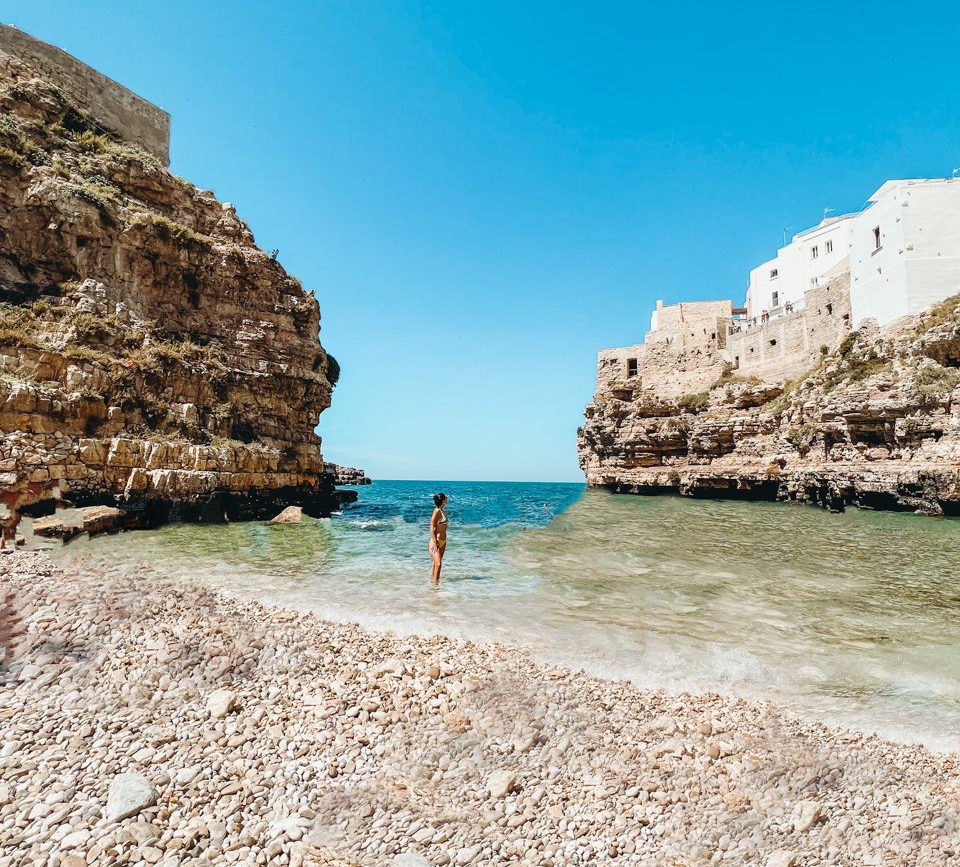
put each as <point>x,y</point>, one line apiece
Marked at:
<point>787,347</point>
<point>112,105</point>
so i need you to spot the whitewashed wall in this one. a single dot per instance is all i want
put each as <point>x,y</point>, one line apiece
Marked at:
<point>918,262</point>
<point>796,266</point>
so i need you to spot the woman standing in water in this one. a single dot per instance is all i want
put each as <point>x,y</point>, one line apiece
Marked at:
<point>438,534</point>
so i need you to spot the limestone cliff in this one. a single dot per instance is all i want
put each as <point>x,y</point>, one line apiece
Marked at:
<point>150,352</point>
<point>876,423</point>
<point>348,475</point>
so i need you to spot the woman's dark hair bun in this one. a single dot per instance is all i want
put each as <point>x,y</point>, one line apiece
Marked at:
<point>438,499</point>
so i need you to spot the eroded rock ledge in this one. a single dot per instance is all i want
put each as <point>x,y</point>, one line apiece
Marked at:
<point>348,475</point>
<point>151,355</point>
<point>875,424</point>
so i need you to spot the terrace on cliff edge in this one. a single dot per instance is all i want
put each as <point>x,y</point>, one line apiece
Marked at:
<point>837,384</point>
<point>152,357</point>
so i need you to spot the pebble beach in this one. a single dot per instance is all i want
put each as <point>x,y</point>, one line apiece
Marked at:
<point>147,720</point>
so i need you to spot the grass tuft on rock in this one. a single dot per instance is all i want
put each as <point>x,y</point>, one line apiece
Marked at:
<point>935,384</point>
<point>11,159</point>
<point>693,402</point>
<point>170,229</point>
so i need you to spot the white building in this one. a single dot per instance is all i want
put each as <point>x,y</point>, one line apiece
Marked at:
<point>779,283</point>
<point>903,251</point>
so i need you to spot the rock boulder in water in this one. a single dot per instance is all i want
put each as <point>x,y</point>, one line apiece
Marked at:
<point>290,515</point>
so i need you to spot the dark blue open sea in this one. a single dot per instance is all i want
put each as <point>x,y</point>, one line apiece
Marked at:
<point>853,618</point>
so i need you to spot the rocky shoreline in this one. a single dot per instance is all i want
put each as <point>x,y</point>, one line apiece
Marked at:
<point>152,357</point>
<point>874,424</point>
<point>148,722</point>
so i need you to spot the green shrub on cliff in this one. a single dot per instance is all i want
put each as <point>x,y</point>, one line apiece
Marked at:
<point>802,437</point>
<point>132,153</point>
<point>726,375</point>
<point>17,324</point>
<point>858,371</point>
<point>693,402</point>
<point>333,370</point>
<point>91,143</point>
<point>935,384</point>
<point>846,346</point>
<point>170,229</point>
<point>779,403</point>
<point>947,310</point>
<point>74,352</point>
<point>9,157</point>
<point>159,356</point>
<point>91,327</point>
<point>99,193</point>
<point>729,377</point>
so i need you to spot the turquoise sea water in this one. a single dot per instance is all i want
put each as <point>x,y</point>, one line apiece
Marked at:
<point>853,618</point>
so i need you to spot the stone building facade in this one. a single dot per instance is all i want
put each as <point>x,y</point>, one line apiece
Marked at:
<point>902,251</point>
<point>681,353</point>
<point>118,110</point>
<point>787,346</point>
<point>897,257</point>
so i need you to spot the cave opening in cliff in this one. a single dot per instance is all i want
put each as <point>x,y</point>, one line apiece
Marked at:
<point>193,289</point>
<point>756,490</point>
<point>243,432</point>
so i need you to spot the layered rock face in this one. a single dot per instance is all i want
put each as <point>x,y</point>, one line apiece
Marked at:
<point>348,475</point>
<point>150,352</point>
<point>875,423</point>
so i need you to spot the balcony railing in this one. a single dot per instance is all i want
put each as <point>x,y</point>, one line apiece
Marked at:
<point>747,324</point>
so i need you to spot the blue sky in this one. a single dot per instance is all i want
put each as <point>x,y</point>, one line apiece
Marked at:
<point>484,194</point>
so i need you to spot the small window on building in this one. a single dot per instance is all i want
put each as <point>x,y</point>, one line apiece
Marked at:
<point>773,342</point>
<point>631,367</point>
<point>773,273</point>
<point>751,349</point>
<point>775,299</point>
<point>736,362</point>
<point>713,335</point>
<point>814,281</point>
<point>829,310</point>
<point>876,237</point>
<point>814,252</point>
<point>828,247</point>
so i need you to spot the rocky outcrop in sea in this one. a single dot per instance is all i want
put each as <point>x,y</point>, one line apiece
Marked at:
<point>874,424</point>
<point>152,356</point>
<point>348,475</point>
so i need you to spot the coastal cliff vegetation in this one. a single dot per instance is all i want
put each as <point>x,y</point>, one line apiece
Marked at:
<point>151,354</point>
<point>875,423</point>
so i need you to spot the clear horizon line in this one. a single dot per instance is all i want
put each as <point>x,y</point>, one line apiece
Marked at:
<point>475,481</point>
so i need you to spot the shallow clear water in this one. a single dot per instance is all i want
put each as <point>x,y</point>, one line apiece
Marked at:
<point>853,618</point>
